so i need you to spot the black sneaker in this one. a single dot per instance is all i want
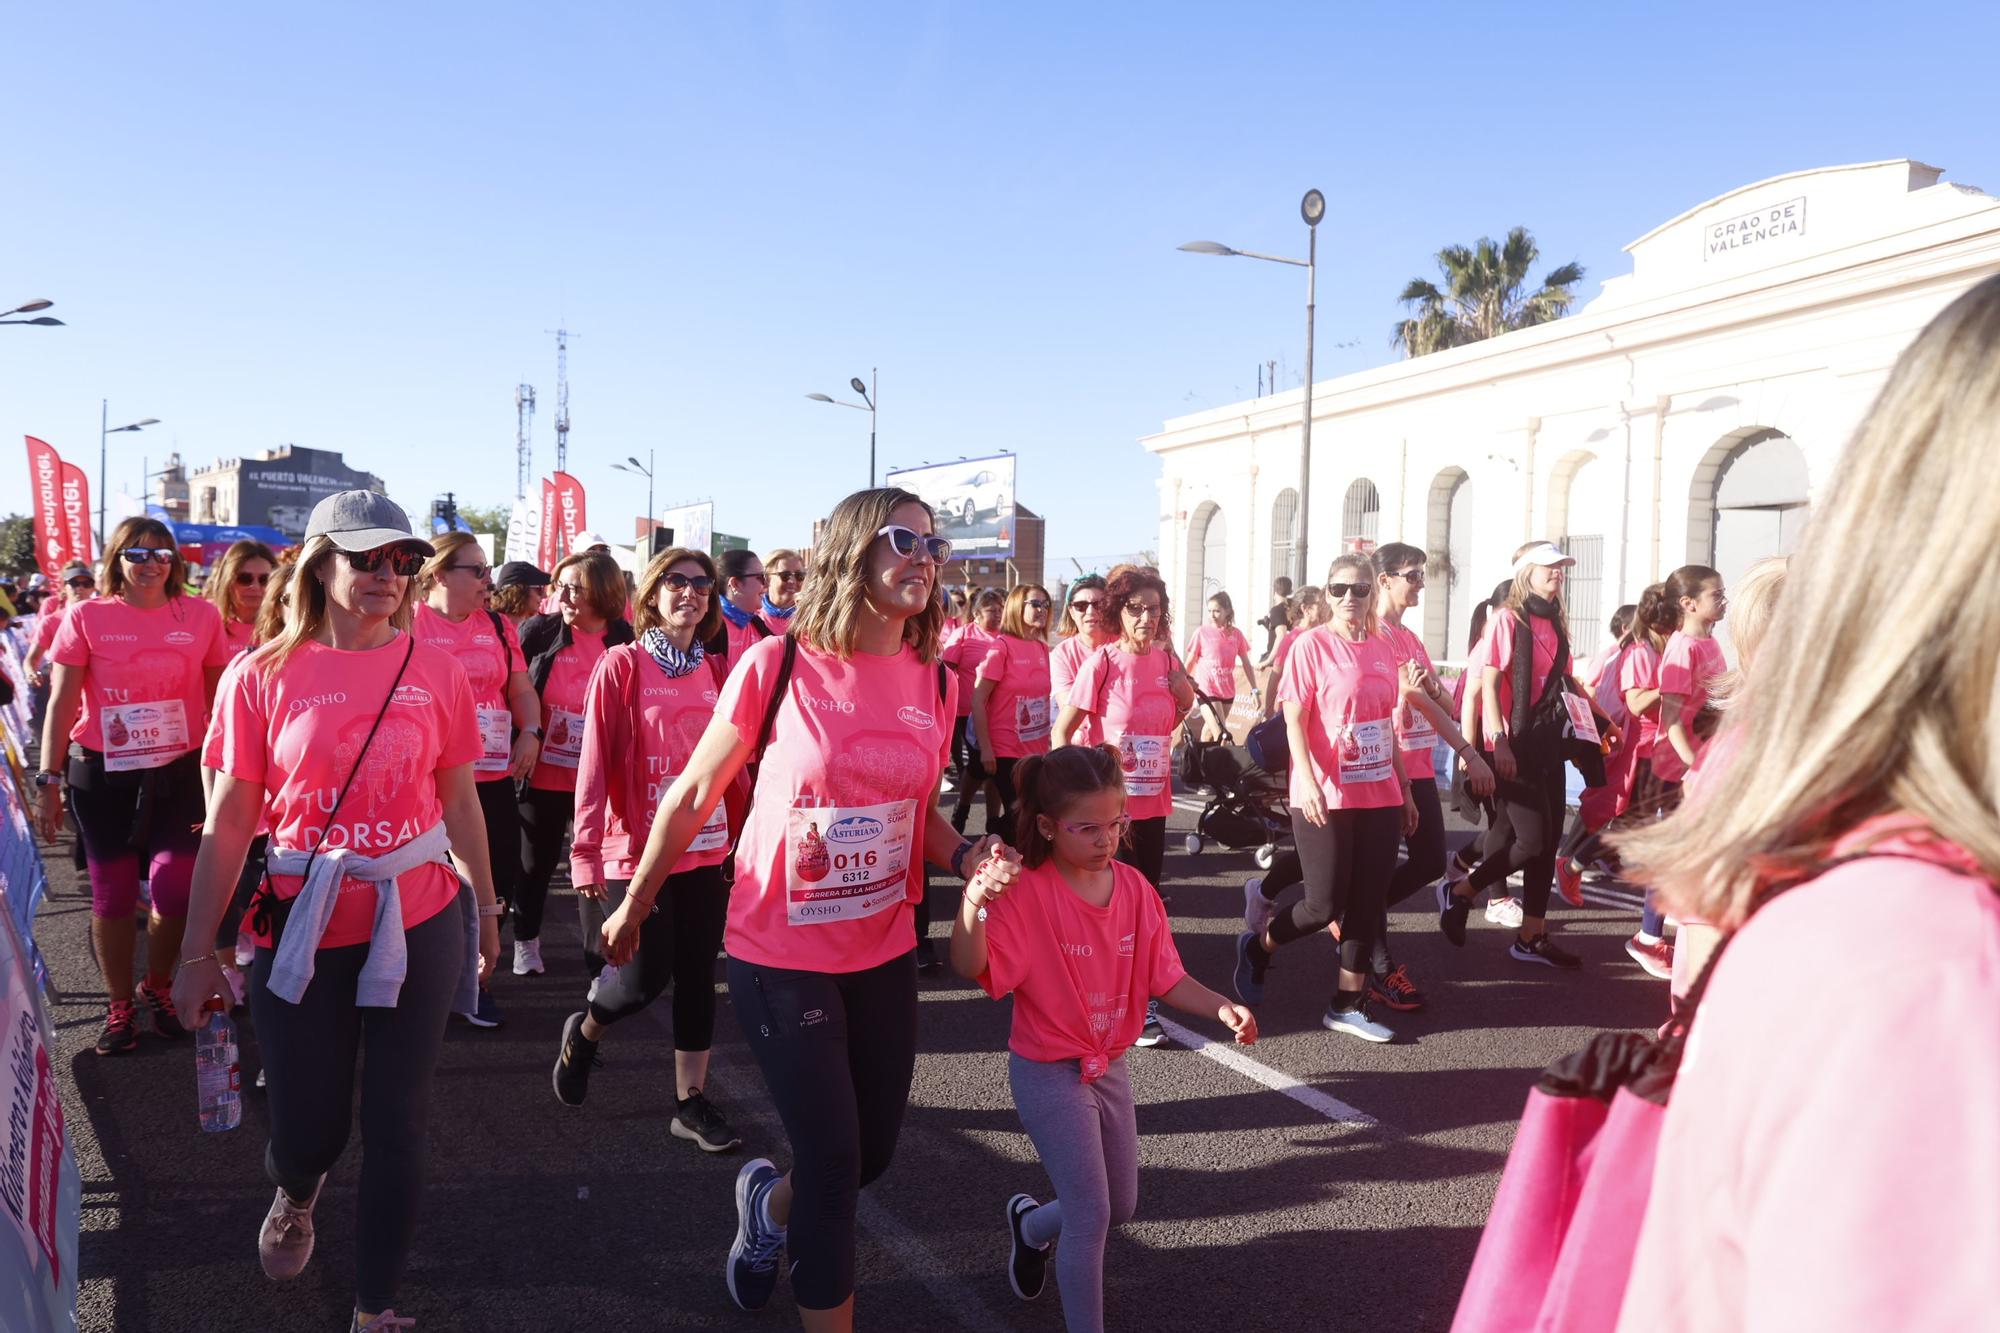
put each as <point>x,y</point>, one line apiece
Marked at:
<point>697,1120</point>
<point>1152,1034</point>
<point>121,1030</point>
<point>166,1021</point>
<point>928,964</point>
<point>1543,950</point>
<point>488,1014</point>
<point>574,1061</point>
<point>1452,911</point>
<point>1027,1265</point>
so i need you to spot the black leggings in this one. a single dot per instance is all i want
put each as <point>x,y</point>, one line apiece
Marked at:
<point>1146,848</point>
<point>544,817</point>
<point>838,1050</point>
<point>1347,866</point>
<point>310,1050</point>
<point>677,943</point>
<point>247,880</point>
<point>1534,809</point>
<point>503,835</point>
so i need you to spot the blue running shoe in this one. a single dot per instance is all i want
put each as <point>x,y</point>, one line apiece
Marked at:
<point>753,1259</point>
<point>1249,975</point>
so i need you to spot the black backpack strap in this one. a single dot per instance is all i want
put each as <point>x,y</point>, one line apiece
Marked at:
<point>783,683</point>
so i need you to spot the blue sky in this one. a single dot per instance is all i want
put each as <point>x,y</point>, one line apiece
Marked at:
<point>349,226</point>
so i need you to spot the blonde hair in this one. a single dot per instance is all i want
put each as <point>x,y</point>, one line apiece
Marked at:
<point>444,548</point>
<point>834,598</point>
<point>271,615</point>
<point>646,602</point>
<point>783,553</point>
<point>603,582</point>
<point>222,579</point>
<point>305,612</point>
<point>1848,713</point>
<point>1014,617</point>
<point>1519,591</point>
<point>1364,566</point>
<point>1751,605</point>
<point>111,579</point>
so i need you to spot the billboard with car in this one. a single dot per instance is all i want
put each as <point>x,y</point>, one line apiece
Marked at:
<point>974,500</point>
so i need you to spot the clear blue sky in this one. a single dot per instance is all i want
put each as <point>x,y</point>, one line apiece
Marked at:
<point>348,226</point>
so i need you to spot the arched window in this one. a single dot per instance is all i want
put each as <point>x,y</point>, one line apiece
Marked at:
<point>1448,539</point>
<point>1285,538</point>
<point>1360,516</point>
<point>1207,558</point>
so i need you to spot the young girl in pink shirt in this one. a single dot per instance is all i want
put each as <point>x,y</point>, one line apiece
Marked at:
<point>1216,653</point>
<point>1010,698</point>
<point>1082,943</point>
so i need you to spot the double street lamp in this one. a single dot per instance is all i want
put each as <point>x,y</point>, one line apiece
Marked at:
<point>105,431</point>
<point>633,466</point>
<point>867,404</point>
<point>1312,208</point>
<point>29,308</point>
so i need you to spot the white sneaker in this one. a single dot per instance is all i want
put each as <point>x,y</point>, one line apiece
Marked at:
<point>1258,911</point>
<point>1357,1022</point>
<point>528,957</point>
<point>1505,912</point>
<point>246,949</point>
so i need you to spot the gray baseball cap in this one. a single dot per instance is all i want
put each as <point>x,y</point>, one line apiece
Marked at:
<point>362,521</point>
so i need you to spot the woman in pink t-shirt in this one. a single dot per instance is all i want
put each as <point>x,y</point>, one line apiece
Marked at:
<point>1309,611</point>
<point>135,671</point>
<point>1010,699</point>
<point>1083,945</point>
<point>648,704</point>
<point>358,741</point>
<point>963,651</point>
<point>1084,631</point>
<point>453,616</point>
<point>1350,795</point>
<point>820,937</point>
<point>1214,654</point>
<point>237,585</point>
<point>744,587</point>
<point>562,650</point>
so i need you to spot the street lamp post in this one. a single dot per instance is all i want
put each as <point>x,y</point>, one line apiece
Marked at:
<point>29,308</point>
<point>1312,208</point>
<point>632,465</point>
<point>867,404</point>
<point>105,431</point>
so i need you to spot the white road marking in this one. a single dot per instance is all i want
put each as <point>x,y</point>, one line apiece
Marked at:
<point>1277,1080</point>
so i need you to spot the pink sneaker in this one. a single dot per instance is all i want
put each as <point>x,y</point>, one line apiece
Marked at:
<point>1657,958</point>
<point>1569,881</point>
<point>285,1242</point>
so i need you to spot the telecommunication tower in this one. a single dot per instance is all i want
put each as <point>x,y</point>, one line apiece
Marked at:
<point>524,444</point>
<point>562,399</point>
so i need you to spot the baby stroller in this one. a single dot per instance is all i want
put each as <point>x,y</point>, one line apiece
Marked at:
<point>1247,808</point>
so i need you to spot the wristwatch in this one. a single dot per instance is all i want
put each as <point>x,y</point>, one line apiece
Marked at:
<point>47,779</point>
<point>535,731</point>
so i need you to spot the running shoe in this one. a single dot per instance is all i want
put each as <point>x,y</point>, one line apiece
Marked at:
<point>1248,979</point>
<point>1258,911</point>
<point>246,948</point>
<point>1152,1034</point>
<point>1396,990</point>
<point>386,1322</point>
<point>1452,911</point>
<point>285,1241</point>
<point>1027,1265</point>
<point>753,1257</point>
<point>1505,912</point>
<point>1657,957</point>
<point>574,1060</point>
<point>1357,1022</point>
<point>528,958</point>
<point>166,1021</point>
<point>121,1029</point>
<point>1569,881</point>
<point>1543,950</point>
<point>697,1120</point>
<point>488,1014</point>
<point>928,963</point>
<point>260,1079</point>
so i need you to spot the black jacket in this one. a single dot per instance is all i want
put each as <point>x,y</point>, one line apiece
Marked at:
<point>544,636</point>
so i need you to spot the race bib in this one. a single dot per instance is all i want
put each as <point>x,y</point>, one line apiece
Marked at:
<point>1581,718</point>
<point>563,744</point>
<point>1031,718</point>
<point>1147,762</point>
<point>846,863</point>
<point>144,735</point>
<point>1364,753</point>
<point>496,740</point>
<point>1416,731</point>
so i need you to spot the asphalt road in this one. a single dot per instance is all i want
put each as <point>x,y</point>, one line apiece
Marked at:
<point>1317,1182</point>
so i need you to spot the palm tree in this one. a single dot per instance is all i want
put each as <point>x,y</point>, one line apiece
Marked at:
<point>1483,295</point>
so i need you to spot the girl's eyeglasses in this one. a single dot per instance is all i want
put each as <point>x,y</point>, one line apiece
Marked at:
<point>906,540</point>
<point>403,562</point>
<point>244,578</point>
<point>1117,828</point>
<point>701,583</point>
<point>140,555</point>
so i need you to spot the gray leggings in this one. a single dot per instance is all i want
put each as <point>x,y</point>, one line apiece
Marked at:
<point>1088,1138</point>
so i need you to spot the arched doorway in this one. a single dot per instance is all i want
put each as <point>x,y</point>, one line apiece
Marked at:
<point>1285,538</point>
<point>1448,540</point>
<point>1207,560</point>
<point>1583,496</point>
<point>1750,499</point>
<point>1360,516</point>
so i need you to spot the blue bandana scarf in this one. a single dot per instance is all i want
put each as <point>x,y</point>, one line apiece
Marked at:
<point>740,619</point>
<point>772,611</point>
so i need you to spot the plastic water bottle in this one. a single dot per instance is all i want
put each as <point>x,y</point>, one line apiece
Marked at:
<point>218,1080</point>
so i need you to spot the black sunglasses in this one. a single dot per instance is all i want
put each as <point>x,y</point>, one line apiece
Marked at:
<point>790,576</point>
<point>1407,575</point>
<point>1339,591</point>
<point>403,561</point>
<point>1038,603</point>
<point>244,578</point>
<point>83,583</point>
<point>139,555</point>
<point>701,583</point>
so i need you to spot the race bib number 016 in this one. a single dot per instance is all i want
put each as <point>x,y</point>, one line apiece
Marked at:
<point>144,735</point>
<point>1364,753</point>
<point>845,863</point>
<point>1031,718</point>
<point>496,740</point>
<point>564,744</point>
<point>1147,763</point>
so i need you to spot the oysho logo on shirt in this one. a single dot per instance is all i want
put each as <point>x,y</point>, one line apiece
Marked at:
<point>911,716</point>
<point>807,698</point>
<point>316,700</point>
<point>416,696</point>
<point>179,637</point>
<point>1074,950</point>
<point>118,638</point>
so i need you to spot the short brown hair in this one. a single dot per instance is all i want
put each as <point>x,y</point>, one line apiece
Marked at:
<point>603,582</point>
<point>129,533</point>
<point>646,602</point>
<point>831,602</point>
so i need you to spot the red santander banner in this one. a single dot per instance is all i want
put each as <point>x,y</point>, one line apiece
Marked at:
<point>45,469</point>
<point>76,511</point>
<point>545,553</point>
<point>569,511</point>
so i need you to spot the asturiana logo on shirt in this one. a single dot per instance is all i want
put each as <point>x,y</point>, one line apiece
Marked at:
<point>414,695</point>
<point>180,637</point>
<point>911,716</point>
<point>855,828</point>
<point>1125,946</point>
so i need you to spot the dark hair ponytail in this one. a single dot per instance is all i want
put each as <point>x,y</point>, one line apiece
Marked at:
<point>1048,783</point>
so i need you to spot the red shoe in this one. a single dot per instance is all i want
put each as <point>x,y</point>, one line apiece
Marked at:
<point>1657,958</point>
<point>1396,990</point>
<point>1569,881</point>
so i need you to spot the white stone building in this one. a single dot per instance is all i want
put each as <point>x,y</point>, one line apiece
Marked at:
<point>1686,415</point>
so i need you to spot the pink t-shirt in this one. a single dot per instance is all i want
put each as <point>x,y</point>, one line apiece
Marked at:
<point>1497,650</point>
<point>1641,671</point>
<point>1686,669</point>
<point>1136,712</point>
<point>145,697</point>
<point>1064,663</point>
<point>1211,655</point>
<point>488,660</point>
<point>1080,975</point>
<point>242,636</point>
<point>47,623</point>
<point>744,637</point>
<point>562,712</point>
<point>963,652</point>
<point>1347,693</point>
<point>625,769</point>
<point>1017,715</point>
<point>298,731</point>
<point>831,858</point>
<point>1414,733</point>
<point>1844,1185</point>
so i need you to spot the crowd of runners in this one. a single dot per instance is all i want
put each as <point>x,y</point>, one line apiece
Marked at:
<point>339,772</point>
